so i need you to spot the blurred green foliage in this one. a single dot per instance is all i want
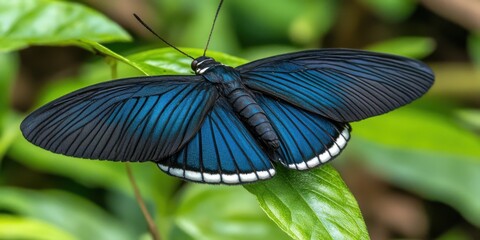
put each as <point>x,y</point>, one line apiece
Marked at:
<point>412,47</point>
<point>392,10</point>
<point>474,47</point>
<point>426,148</point>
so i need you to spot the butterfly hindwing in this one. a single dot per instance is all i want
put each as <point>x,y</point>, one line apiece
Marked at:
<point>222,151</point>
<point>341,84</point>
<point>306,139</point>
<point>136,119</point>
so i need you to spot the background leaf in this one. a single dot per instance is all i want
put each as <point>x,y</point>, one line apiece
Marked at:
<point>420,130</point>
<point>48,22</point>
<point>412,47</point>
<point>471,118</point>
<point>222,212</point>
<point>9,62</point>
<point>168,61</point>
<point>8,117</point>
<point>427,154</point>
<point>12,227</point>
<point>69,212</point>
<point>392,10</point>
<point>306,21</point>
<point>474,48</point>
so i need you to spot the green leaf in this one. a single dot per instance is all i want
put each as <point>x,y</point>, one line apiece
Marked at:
<point>69,212</point>
<point>102,50</point>
<point>315,204</point>
<point>47,22</point>
<point>474,48</point>
<point>13,227</point>
<point>221,212</point>
<point>413,47</point>
<point>168,61</point>
<point>437,176</point>
<point>8,130</point>
<point>315,20</point>
<point>266,17</point>
<point>425,153</point>
<point>8,70</point>
<point>194,33</point>
<point>456,233</point>
<point>392,10</point>
<point>410,128</point>
<point>470,117</point>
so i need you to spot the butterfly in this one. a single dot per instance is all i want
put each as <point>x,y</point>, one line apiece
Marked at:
<point>228,125</point>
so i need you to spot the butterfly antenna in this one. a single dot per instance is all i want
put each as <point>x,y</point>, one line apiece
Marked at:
<point>213,26</point>
<point>163,40</point>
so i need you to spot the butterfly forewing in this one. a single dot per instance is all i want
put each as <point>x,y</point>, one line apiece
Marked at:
<point>341,84</point>
<point>137,119</point>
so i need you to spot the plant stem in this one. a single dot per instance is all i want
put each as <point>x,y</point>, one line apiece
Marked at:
<point>151,224</point>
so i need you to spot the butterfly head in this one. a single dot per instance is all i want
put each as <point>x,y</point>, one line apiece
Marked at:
<point>201,64</point>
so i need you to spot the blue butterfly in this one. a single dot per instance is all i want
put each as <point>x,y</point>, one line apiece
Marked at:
<point>230,125</point>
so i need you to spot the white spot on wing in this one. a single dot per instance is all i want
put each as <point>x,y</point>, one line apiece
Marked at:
<point>302,166</point>
<point>230,178</point>
<point>194,176</point>
<point>248,177</point>
<point>326,156</point>
<point>176,171</point>
<point>266,174</point>
<point>218,178</point>
<point>212,178</point>
<point>313,162</point>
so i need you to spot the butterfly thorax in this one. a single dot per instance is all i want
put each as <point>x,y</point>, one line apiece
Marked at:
<point>229,83</point>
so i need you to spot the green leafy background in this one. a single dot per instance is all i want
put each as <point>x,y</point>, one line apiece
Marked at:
<point>407,169</point>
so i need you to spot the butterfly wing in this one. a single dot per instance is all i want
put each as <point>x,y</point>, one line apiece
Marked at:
<point>306,139</point>
<point>340,84</point>
<point>136,119</point>
<point>222,151</point>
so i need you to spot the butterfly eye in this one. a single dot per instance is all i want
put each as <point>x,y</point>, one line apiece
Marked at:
<point>194,64</point>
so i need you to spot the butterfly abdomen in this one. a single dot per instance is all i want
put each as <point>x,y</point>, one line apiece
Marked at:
<point>253,115</point>
<point>230,86</point>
